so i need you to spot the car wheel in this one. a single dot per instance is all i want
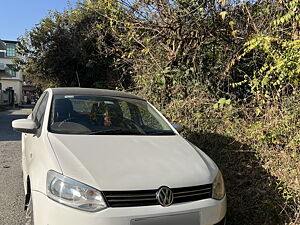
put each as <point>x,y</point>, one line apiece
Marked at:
<point>29,213</point>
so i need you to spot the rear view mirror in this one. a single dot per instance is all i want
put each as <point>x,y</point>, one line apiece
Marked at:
<point>24,126</point>
<point>177,127</point>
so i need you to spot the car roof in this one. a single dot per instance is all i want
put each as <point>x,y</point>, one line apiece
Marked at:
<point>92,91</point>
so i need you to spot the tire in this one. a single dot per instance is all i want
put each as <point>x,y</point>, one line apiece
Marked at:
<point>29,213</point>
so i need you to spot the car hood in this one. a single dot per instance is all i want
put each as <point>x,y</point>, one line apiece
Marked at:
<point>109,162</point>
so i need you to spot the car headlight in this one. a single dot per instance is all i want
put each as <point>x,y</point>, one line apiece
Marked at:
<point>218,187</point>
<point>73,193</point>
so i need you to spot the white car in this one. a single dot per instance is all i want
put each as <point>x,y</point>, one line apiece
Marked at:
<point>101,157</point>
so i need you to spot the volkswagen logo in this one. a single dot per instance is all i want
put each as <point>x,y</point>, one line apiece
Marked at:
<point>164,196</point>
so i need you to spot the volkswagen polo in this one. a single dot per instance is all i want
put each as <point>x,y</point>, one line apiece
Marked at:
<point>102,157</point>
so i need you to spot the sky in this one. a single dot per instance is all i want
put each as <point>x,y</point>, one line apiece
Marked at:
<point>17,16</point>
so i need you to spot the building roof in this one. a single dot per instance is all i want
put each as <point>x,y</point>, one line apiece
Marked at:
<point>92,91</point>
<point>10,42</point>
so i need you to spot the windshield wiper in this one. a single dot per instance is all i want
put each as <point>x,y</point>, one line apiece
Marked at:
<point>161,132</point>
<point>115,131</point>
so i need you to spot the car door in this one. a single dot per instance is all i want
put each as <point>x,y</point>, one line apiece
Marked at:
<point>32,141</point>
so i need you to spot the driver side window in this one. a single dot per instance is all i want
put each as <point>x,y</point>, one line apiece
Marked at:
<point>37,105</point>
<point>41,110</point>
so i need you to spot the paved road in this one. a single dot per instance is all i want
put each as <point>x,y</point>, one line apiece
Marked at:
<point>11,194</point>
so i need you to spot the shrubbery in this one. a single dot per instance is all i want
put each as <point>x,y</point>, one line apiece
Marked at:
<point>259,155</point>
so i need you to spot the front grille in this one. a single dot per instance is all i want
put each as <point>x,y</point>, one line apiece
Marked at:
<point>148,197</point>
<point>189,194</point>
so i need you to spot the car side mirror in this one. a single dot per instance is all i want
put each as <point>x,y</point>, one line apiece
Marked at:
<point>25,126</point>
<point>177,127</point>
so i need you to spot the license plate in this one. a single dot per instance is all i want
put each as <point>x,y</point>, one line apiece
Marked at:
<point>181,219</point>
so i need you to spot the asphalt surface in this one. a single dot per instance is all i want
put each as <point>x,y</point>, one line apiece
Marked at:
<point>11,194</point>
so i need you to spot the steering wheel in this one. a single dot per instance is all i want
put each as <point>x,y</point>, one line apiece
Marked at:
<point>66,120</point>
<point>132,124</point>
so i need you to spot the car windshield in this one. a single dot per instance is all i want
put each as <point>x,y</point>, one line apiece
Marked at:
<point>98,115</point>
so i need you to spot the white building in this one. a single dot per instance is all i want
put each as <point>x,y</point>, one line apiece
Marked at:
<point>10,78</point>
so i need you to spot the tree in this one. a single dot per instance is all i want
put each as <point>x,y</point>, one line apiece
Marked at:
<point>73,48</point>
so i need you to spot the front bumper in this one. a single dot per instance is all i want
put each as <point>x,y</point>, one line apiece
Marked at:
<point>49,212</point>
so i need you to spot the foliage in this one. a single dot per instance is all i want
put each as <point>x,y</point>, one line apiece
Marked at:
<point>67,49</point>
<point>176,45</point>
<point>280,73</point>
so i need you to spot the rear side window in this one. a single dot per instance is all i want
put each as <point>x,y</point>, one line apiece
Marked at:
<point>125,109</point>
